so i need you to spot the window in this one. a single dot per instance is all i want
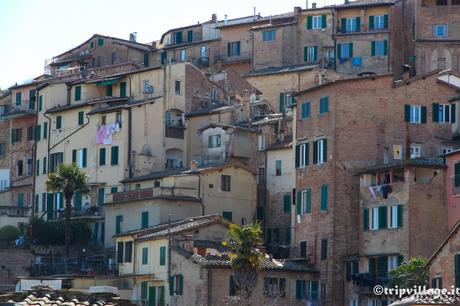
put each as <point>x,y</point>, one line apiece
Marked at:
<point>44,165</point>
<point>274,287</point>
<point>286,99</point>
<point>58,122</point>
<point>320,151</point>
<point>81,118</point>
<point>182,55</point>
<point>177,284</point>
<point>30,133</point>
<point>102,157</point>
<point>120,246</point>
<point>162,255</point>
<point>19,168</point>
<point>145,219</point>
<point>305,110</point>
<point>324,105</point>
<point>287,203</point>
<point>415,113</point>
<point>4,109</point>
<point>37,167</point>
<point>227,215</point>
<point>354,302</point>
<point>378,22</point>
<point>306,290</point>
<point>16,135</point>
<point>38,132</point>
<point>144,290</point>
<point>77,93</point>
<point>114,57</point>
<point>345,51</point>
<point>440,30</point>
<point>323,249</point>
<point>310,54</point>
<point>352,268</point>
<point>379,48</point>
<point>306,201</point>
<point>214,141</point>
<point>396,216</point>
<point>350,24</point>
<point>444,150</point>
<point>108,90</point>
<point>190,36</point>
<point>79,157</point>
<point>177,88</point>
<point>301,158</point>
<point>225,182</point>
<point>415,150</point>
<point>55,160</point>
<point>177,38</point>
<point>114,155</point>
<point>372,302</point>
<point>45,130</point>
<point>303,249</point>
<point>123,89</point>
<point>100,42</point>
<point>436,283</point>
<point>18,98</point>
<point>316,22</point>
<point>278,167</point>
<point>444,113</point>
<point>269,35</point>
<point>233,48</point>
<point>145,256</point>
<point>113,189</point>
<point>393,262</point>
<point>100,196</point>
<point>32,98</point>
<point>30,166</point>
<point>261,142</point>
<point>2,149</point>
<point>147,88</point>
<point>128,251</point>
<point>324,197</point>
<point>203,52</point>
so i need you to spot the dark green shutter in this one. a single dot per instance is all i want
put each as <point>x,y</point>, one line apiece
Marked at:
<point>457,270</point>
<point>423,111</point>
<point>228,215</point>
<point>100,196</point>
<point>371,23</point>
<point>40,103</point>
<point>143,290</point>
<point>305,53</point>
<point>287,203</point>
<point>315,152</point>
<point>339,50</point>
<point>145,256</point>
<point>74,156</point>
<point>435,109</point>
<point>324,21</point>
<point>358,24</point>
<point>385,21</point>
<point>373,48</point>
<point>324,196</point>
<point>80,118</point>
<point>281,102</point>
<point>77,93</point>
<point>108,90</point>
<point>400,215</point>
<point>297,156</point>
<point>37,166</point>
<point>299,202</point>
<point>181,284</point>
<point>123,89</point>
<point>145,219</point>
<point>163,57</point>
<point>118,220</point>
<point>407,113</point>
<point>382,266</point>
<point>102,157</point>
<point>45,130</point>
<point>146,59</point>
<point>309,22</point>
<point>171,285</point>
<point>325,149</point>
<point>315,53</point>
<point>84,157</point>
<point>343,25</point>
<point>58,122</point>
<point>348,271</point>
<point>351,49</point>
<point>366,219</point>
<point>453,113</point>
<point>190,35</point>
<point>153,296</point>
<point>298,289</point>
<point>162,256</point>
<point>383,217</point>
<point>385,47</point>
<point>114,156</point>
<point>314,290</point>
<point>307,153</point>
<point>308,204</point>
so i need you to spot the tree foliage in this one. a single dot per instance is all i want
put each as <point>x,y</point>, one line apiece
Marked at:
<point>9,233</point>
<point>411,273</point>
<point>47,232</point>
<point>246,256</point>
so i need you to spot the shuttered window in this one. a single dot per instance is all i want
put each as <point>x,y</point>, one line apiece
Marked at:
<point>118,221</point>
<point>77,93</point>
<point>145,219</point>
<point>287,203</point>
<point>58,122</point>
<point>114,155</point>
<point>102,156</point>
<point>162,256</point>
<point>145,256</point>
<point>324,197</point>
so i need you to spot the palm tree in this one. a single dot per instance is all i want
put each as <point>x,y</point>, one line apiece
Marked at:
<point>246,256</point>
<point>68,179</point>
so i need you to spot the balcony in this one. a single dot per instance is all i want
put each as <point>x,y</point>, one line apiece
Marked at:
<point>15,211</point>
<point>75,213</point>
<point>367,281</point>
<point>175,129</point>
<point>364,29</point>
<point>18,111</point>
<point>243,56</point>
<point>186,193</point>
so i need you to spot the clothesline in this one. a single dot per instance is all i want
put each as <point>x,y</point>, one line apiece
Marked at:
<point>104,133</point>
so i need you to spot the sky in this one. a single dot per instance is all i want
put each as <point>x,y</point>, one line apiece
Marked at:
<point>32,31</point>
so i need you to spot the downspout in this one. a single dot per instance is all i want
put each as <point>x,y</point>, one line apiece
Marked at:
<point>48,145</point>
<point>130,143</point>
<point>209,287</point>
<point>334,39</point>
<point>168,281</point>
<point>34,154</point>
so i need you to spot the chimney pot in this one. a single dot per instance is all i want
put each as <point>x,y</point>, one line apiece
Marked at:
<point>214,17</point>
<point>297,9</point>
<point>313,5</point>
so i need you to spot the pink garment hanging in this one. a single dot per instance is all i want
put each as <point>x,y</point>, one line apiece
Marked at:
<point>99,136</point>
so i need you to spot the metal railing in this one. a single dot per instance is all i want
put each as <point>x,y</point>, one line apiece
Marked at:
<point>15,211</point>
<point>149,193</point>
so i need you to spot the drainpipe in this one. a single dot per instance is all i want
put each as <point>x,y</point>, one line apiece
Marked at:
<point>34,156</point>
<point>130,143</point>
<point>335,40</point>
<point>209,287</point>
<point>169,256</point>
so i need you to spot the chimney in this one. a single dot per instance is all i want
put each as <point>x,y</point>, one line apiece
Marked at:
<point>133,37</point>
<point>213,17</point>
<point>306,4</point>
<point>193,165</point>
<point>313,5</point>
<point>347,1</point>
<point>297,9</point>
<point>154,44</point>
<point>225,19</point>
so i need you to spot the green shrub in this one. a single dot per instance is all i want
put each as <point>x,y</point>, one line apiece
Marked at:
<point>46,232</point>
<point>9,233</point>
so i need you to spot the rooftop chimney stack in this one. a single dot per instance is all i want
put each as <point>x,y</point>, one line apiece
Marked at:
<point>297,9</point>
<point>133,37</point>
<point>225,19</point>
<point>347,1</point>
<point>313,5</point>
<point>213,17</point>
<point>306,4</point>
<point>254,13</point>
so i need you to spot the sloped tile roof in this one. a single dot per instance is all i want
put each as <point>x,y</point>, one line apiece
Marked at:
<point>427,299</point>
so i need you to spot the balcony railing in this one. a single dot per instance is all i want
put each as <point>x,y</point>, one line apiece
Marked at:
<point>92,211</point>
<point>150,193</point>
<point>367,281</point>
<point>15,211</point>
<point>242,56</point>
<point>363,29</point>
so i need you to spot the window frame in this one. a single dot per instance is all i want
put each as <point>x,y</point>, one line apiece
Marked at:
<point>317,22</point>
<point>436,28</point>
<point>226,182</point>
<point>415,114</point>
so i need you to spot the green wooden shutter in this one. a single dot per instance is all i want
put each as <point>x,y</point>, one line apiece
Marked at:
<point>297,156</point>
<point>382,266</point>
<point>324,21</point>
<point>181,284</point>
<point>123,89</point>
<point>371,23</point>
<point>325,149</point>
<point>102,157</point>
<point>145,256</point>
<point>309,22</point>
<point>74,156</point>
<point>118,220</point>
<point>38,132</point>
<point>145,219</point>
<point>423,112</point>
<point>143,290</point>
<point>84,157</point>
<point>305,53</point>
<point>407,113</point>
<point>435,114</point>
<point>228,215</point>
<point>366,219</point>
<point>453,113</point>
<point>343,25</point>
<point>108,90</point>
<point>348,271</point>
<point>400,215</point>
<point>153,296</point>
<point>351,49</point>
<point>37,166</point>
<point>308,204</point>
<point>298,289</point>
<point>114,155</point>
<point>100,196</point>
<point>314,290</point>
<point>162,256</point>
<point>307,153</point>
<point>77,93</point>
<point>287,203</point>
<point>373,48</point>
<point>457,270</point>
<point>315,53</point>
<point>299,202</point>
<point>45,130</point>
<point>385,47</point>
<point>324,196</point>
<point>80,118</point>
<point>163,57</point>
<point>171,285</point>
<point>358,24</point>
<point>58,122</point>
<point>281,102</point>
<point>315,152</point>
<point>339,50</point>
<point>383,217</point>
<point>385,21</point>
<point>40,103</point>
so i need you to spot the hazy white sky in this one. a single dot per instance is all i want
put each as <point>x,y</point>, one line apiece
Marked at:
<point>31,31</point>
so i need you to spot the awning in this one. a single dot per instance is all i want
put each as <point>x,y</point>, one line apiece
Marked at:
<point>107,82</point>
